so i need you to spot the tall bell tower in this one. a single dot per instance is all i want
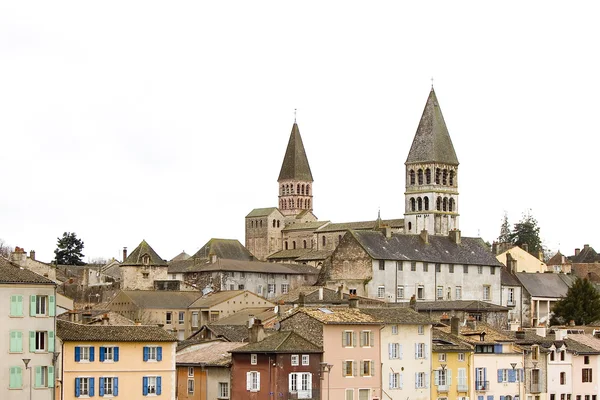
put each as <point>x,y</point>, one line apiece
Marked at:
<point>431,196</point>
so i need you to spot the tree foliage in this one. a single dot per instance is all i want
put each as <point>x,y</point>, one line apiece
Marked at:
<point>527,231</point>
<point>68,250</point>
<point>504,230</point>
<point>582,304</point>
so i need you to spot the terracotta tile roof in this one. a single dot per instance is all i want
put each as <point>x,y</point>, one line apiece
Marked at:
<point>13,273</point>
<point>72,332</point>
<point>447,342</point>
<point>473,335</point>
<point>281,342</point>
<point>210,354</point>
<point>398,316</point>
<point>339,316</point>
<point>215,298</point>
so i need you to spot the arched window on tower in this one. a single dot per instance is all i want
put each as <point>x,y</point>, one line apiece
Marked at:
<point>294,245</point>
<point>410,226</point>
<point>274,222</point>
<point>451,204</point>
<point>412,204</point>
<point>304,243</point>
<point>426,201</point>
<point>324,241</point>
<point>308,190</point>
<point>286,245</point>
<point>420,203</point>
<point>445,204</point>
<point>452,178</point>
<point>251,224</point>
<point>412,176</point>
<point>298,189</point>
<point>261,223</point>
<point>302,189</point>
<point>420,176</point>
<point>445,177</point>
<point>308,204</point>
<point>278,223</point>
<point>287,189</point>
<point>289,203</point>
<point>438,205</point>
<point>438,174</point>
<point>282,189</point>
<point>292,203</point>
<point>299,203</point>
<point>428,176</point>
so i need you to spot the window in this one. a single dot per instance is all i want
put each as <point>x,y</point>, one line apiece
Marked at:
<point>300,382</point>
<point>451,268</point>
<point>324,241</point>
<point>484,348</point>
<point>190,386</point>
<point>190,372</point>
<point>425,267</point>
<point>295,359</point>
<point>285,288</point>
<point>462,379</point>
<point>16,306</point>
<point>492,270</point>
<point>109,386</point>
<point>442,357</point>
<point>458,292</point>
<point>511,297</point>
<point>84,387</point>
<point>109,353</point>
<point>552,353</point>
<point>586,375</point>
<point>479,269</point>
<point>366,339</point>
<point>382,265</point>
<point>84,354</point>
<point>461,356</point>
<point>439,293</point>
<point>349,394</point>
<point>169,318</point>
<point>399,266</point>
<point>400,292</point>
<point>348,368</point>
<point>562,355</point>
<point>394,329</point>
<point>420,350</point>
<point>41,341</point>
<point>41,305</point>
<point>363,394</point>
<point>181,319</point>
<point>395,351</point>
<point>441,377</point>
<point>16,378</point>
<point>271,288</point>
<point>465,269</point>
<point>367,368</point>
<point>145,275</point>
<point>152,353</point>
<point>44,376</point>
<point>487,292</point>
<point>420,380</point>
<point>253,359</point>
<point>420,292</point>
<point>413,266</point>
<point>586,359</point>
<point>395,380</point>
<point>535,352</point>
<point>152,385</point>
<point>352,291</point>
<point>223,390</point>
<point>16,342</point>
<point>194,319</point>
<point>381,292</point>
<point>563,378</point>
<point>421,329</point>
<point>438,267</point>
<point>305,359</point>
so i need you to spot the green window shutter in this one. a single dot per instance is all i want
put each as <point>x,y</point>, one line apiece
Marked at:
<point>50,376</point>
<point>51,341</point>
<point>52,305</point>
<point>12,379</point>
<point>13,310</point>
<point>32,341</point>
<point>19,311</point>
<point>32,306</point>
<point>38,376</point>
<point>13,342</point>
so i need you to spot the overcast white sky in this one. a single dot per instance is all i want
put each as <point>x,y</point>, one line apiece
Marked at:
<point>168,121</point>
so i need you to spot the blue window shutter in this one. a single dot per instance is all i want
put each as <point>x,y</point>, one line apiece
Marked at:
<point>102,355</point>
<point>512,375</point>
<point>501,397</point>
<point>498,348</point>
<point>499,375</point>
<point>115,386</point>
<point>50,376</point>
<point>91,387</point>
<point>92,353</point>
<point>51,341</point>
<point>479,397</point>
<point>159,353</point>
<point>116,353</point>
<point>145,385</point>
<point>158,385</point>
<point>77,384</point>
<point>490,397</point>
<point>146,353</point>
<point>100,386</point>
<point>77,353</point>
<point>52,305</point>
<point>32,305</point>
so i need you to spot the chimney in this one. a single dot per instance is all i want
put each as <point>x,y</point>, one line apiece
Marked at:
<point>525,247</point>
<point>32,255</point>
<point>425,236</point>
<point>279,309</point>
<point>256,332</point>
<point>124,254</point>
<point>353,301</point>
<point>445,319</point>
<point>86,317</point>
<point>105,319</point>
<point>213,258</point>
<point>388,231</point>
<point>572,322</point>
<point>454,323</point>
<point>250,320</point>
<point>320,293</point>
<point>471,323</point>
<point>495,248</point>
<point>341,292</point>
<point>560,334</point>
<point>520,334</point>
<point>73,316</point>
<point>455,236</point>
<point>137,322</point>
<point>301,299</point>
<point>586,246</point>
<point>577,251</point>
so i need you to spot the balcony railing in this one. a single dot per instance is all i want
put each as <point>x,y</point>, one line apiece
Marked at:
<point>442,388</point>
<point>482,386</point>
<point>535,388</point>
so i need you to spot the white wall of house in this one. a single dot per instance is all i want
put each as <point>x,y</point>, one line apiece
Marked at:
<point>555,368</point>
<point>489,364</point>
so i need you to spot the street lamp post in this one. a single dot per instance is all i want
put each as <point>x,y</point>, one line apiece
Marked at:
<point>27,367</point>
<point>325,367</point>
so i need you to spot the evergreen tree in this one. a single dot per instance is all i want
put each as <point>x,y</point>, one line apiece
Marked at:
<point>582,304</point>
<point>68,250</point>
<point>504,230</point>
<point>527,232</point>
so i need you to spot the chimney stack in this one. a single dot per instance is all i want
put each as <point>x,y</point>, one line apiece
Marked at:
<point>124,254</point>
<point>257,332</point>
<point>341,292</point>
<point>32,255</point>
<point>455,236</point>
<point>425,236</point>
<point>105,319</point>
<point>577,251</point>
<point>353,302</point>
<point>454,325</point>
<point>87,317</point>
<point>520,334</point>
<point>388,231</point>
<point>73,316</point>
<point>301,299</point>
<point>320,293</point>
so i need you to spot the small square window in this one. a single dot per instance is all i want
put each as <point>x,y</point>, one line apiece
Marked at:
<point>381,292</point>
<point>421,329</point>
<point>438,267</point>
<point>413,266</point>
<point>394,329</point>
<point>465,269</point>
<point>442,357</point>
<point>461,356</point>
<point>399,265</point>
<point>190,372</point>
<point>305,359</point>
<point>479,269</point>
<point>295,360</point>
<point>382,265</point>
<point>253,359</point>
<point>425,267</point>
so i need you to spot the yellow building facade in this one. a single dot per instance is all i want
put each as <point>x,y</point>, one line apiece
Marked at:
<point>452,365</point>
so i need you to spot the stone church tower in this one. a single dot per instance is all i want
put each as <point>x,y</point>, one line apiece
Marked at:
<point>295,179</point>
<point>431,197</point>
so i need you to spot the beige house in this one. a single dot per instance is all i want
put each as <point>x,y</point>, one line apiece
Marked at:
<point>27,336</point>
<point>523,261</point>
<point>20,257</point>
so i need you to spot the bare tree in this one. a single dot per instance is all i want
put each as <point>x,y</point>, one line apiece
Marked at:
<point>5,249</point>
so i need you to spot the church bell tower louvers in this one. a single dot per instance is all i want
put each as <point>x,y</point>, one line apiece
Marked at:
<point>295,179</point>
<point>431,196</point>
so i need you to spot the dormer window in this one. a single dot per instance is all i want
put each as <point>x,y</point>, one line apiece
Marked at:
<point>145,259</point>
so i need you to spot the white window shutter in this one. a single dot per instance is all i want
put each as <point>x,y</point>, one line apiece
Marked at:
<point>448,377</point>
<point>344,342</point>
<point>416,351</point>
<point>400,351</point>
<point>353,339</point>
<point>371,339</point>
<point>401,380</point>
<point>248,380</point>
<point>362,367</point>
<point>436,378</point>
<point>390,346</point>
<point>426,380</point>
<point>426,352</point>
<point>309,381</point>
<point>258,381</point>
<point>391,380</point>
<point>372,368</point>
<point>355,366</point>
<point>344,368</point>
<point>416,380</point>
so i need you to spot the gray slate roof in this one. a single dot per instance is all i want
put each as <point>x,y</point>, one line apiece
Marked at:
<point>295,163</point>
<point>586,255</point>
<point>261,212</point>
<point>543,285</point>
<point>195,265</point>
<point>441,249</point>
<point>432,141</point>
<point>312,225</point>
<point>72,332</point>
<point>458,305</point>
<point>224,248</point>
<point>13,273</point>
<point>162,299</point>
<point>361,225</point>
<point>447,342</point>
<point>281,342</point>
<point>508,279</point>
<point>136,256</point>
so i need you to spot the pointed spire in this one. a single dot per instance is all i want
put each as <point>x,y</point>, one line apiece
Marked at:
<point>432,141</point>
<point>295,163</point>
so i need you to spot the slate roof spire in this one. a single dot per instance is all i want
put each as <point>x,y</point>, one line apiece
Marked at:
<point>432,141</point>
<point>295,163</point>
